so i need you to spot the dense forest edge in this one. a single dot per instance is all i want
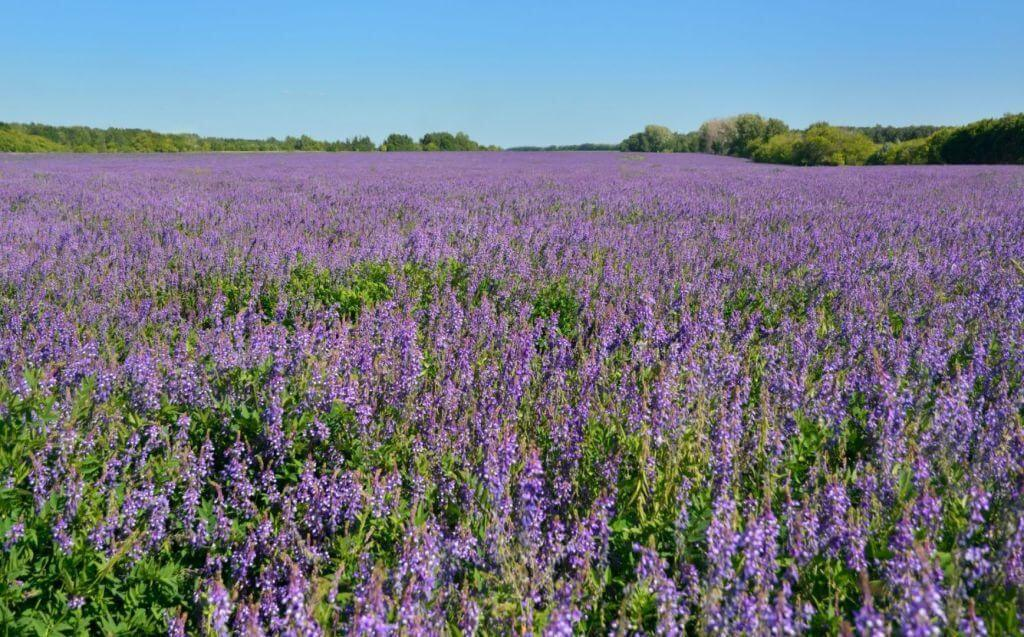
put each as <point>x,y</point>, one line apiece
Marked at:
<point>768,140</point>
<point>987,141</point>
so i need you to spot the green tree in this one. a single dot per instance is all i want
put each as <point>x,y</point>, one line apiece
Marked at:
<point>686,142</point>
<point>738,135</point>
<point>15,141</point>
<point>361,144</point>
<point>894,134</point>
<point>717,135</point>
<point>824,145</point>
<point>748,131</point>
<point>988,141</point>
<point>912,151</point>
<point>653,139</point>
<point>399,142</point>
<point>661,138</point>
<point>819,145</point>
<point>447,142</point>
<point>774,126</point>
<point>438,141</point>
<point>778,149</point>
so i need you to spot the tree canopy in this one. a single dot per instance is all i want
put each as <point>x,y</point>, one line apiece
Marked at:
<point>16,141</point>
<point>399,142</point>
<point>819,145</point>
<point>447,142</point>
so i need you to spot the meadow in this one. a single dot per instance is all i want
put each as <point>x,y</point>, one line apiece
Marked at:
<point>509,393</point>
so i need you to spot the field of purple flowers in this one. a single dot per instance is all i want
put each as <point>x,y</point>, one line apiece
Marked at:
<point>509,394</point>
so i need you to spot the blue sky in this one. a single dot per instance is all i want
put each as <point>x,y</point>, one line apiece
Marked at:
<point>507,73</point>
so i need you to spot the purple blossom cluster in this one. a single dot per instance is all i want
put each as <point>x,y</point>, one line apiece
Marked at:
<point>510,394</point>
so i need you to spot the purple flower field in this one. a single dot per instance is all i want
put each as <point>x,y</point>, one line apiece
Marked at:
<point>509,393</point>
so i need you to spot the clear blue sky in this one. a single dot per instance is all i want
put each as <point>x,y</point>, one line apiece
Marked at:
<point>508,73</point>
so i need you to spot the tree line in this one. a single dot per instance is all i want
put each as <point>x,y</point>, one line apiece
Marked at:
<point>988,141</point>
<point>996,141</point>
<point>34,138</point>
<point>568,147</point>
